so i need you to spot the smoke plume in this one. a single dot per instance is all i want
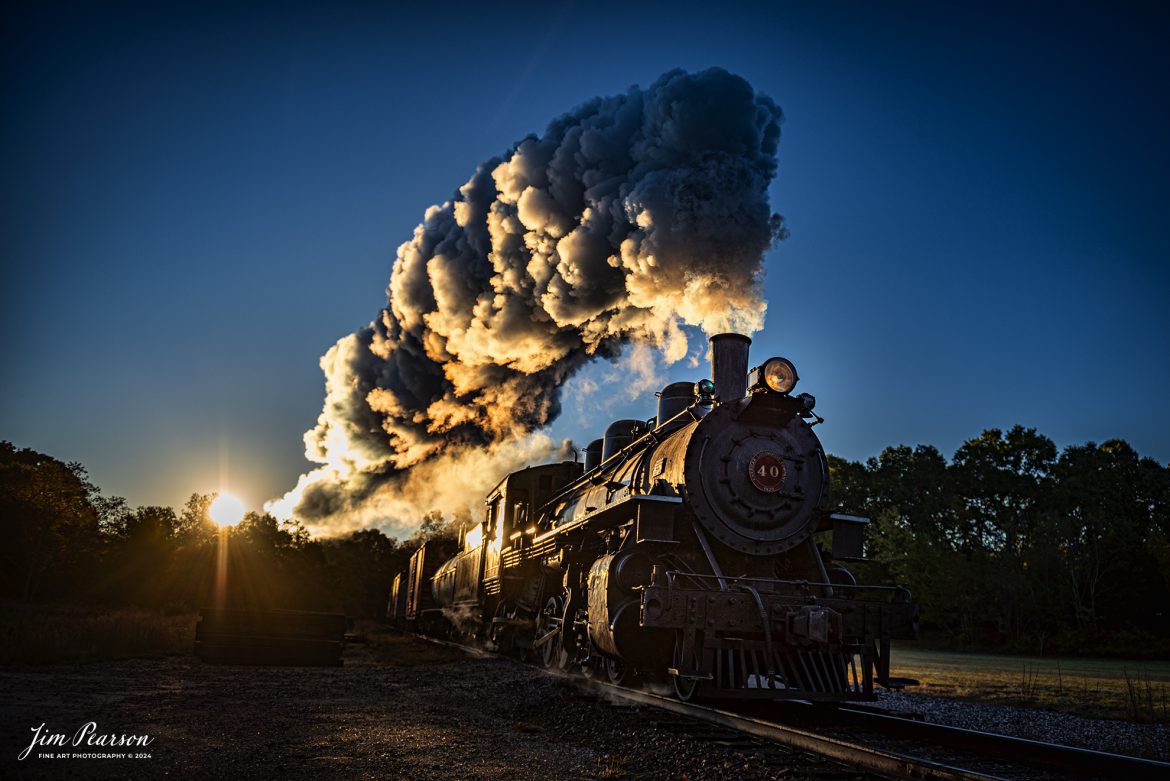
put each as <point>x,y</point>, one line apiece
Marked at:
<point>631,217</point>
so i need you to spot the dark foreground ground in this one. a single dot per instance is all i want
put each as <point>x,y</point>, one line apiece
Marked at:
<point>399,708</point>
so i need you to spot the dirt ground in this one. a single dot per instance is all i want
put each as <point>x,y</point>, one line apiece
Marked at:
<point>397,709</point>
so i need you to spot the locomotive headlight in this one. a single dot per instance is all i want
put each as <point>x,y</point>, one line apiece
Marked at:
<point>779,375</point>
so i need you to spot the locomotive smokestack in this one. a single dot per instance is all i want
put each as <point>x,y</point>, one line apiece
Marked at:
<point>729,366</point>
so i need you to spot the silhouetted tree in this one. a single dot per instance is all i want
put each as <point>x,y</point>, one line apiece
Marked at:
<point>47,520</point>
<point>1009,545</point>
<point>195,525</point>
<point>1107,517</point>
<point>361,568</point>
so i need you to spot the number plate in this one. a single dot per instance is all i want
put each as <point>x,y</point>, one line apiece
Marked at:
<point>766,471</point>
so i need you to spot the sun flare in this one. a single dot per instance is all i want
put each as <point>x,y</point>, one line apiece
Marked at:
<point>226,510</point>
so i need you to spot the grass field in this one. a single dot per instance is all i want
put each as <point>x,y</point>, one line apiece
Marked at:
<point>1100,688</point>
<point>44,634</point>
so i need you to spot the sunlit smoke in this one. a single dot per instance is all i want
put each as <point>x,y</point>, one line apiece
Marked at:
<point>630,219</point>
<point>454,483</point>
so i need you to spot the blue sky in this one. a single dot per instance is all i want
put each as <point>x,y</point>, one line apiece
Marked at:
<point>199,199</point>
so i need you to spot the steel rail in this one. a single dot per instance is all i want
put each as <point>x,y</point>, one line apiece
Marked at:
<point>1068,759</point>
<point>854,755</point>
<point>1075,762</point>
<point>850,753</point>
<point>1033,754</point>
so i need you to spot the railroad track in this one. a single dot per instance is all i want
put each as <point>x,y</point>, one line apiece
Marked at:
<point>1024,754</point>
<point>906,748</point>
<point>873,741</point>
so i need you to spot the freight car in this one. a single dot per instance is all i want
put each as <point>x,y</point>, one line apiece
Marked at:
<point>698,548</point>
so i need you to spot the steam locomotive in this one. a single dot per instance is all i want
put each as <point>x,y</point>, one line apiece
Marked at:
<point>688,549</point>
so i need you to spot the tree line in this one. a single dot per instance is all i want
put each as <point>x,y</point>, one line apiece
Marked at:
<point>1008,545</point>
<point>66,542</point>
<point>1012,545</point>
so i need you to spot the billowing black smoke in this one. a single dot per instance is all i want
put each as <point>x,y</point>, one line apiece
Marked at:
<point>628,218</point>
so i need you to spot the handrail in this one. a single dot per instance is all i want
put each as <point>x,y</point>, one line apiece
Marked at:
<point>804,585</point>
<point>617,458</point>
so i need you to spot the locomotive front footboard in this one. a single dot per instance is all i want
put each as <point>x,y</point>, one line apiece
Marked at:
<point>759,637</point>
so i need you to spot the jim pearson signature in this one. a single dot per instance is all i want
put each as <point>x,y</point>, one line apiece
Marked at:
<point>87,734</point>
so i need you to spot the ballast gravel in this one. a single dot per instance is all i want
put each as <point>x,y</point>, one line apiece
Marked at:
<point>446,716</point>
<point>1119,737</point>
<point>421,712</point>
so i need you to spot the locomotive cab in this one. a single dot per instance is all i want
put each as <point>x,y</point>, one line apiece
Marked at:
<point>488,569</point>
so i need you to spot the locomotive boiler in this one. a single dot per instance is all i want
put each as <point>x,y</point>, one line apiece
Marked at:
<point>698,549</point>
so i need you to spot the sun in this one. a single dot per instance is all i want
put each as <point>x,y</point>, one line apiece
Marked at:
<point>226,510</point>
